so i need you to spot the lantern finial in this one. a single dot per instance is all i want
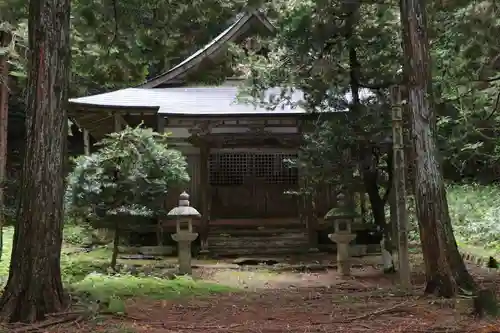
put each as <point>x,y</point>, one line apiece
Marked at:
<point>184,199</point>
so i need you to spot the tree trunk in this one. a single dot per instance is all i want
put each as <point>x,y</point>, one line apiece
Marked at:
<point>445,269</point>
<point>116,242</point>
<point>34,287</point>
<point>377,203</point>
<point>5,39</point>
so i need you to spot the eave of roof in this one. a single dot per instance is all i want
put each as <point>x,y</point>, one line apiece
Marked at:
<point>203,101</point>
<point>216,46</point>
<point>188,101</point>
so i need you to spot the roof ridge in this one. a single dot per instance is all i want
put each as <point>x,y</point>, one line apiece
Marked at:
<point>212,47</point>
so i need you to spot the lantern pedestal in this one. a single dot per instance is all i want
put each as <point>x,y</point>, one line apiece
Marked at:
<point>184,240</point>
<point>343,256</point>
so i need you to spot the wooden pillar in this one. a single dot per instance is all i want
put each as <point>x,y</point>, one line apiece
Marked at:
<point>117,124</point>
<point>86,142</point>
<point>204,196</point>
<point>399,186</point>
<point>393,209</point>
<point>160,123</point>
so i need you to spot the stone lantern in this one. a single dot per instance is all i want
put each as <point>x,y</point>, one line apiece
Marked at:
<point>184,236</point>
<point>343,218</point>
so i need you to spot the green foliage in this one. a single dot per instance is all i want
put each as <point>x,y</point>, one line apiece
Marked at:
<point>474,213</point>
<point>129,175</point>
<point>474,210</point>
<point>77,234</point>
<point>312,45</point>
<point>119,44</point>
<point>466,75</point>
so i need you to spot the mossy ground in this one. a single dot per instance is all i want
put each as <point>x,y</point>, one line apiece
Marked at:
<point>88,273</point>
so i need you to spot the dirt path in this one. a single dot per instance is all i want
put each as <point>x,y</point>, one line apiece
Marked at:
<point>319,302</point>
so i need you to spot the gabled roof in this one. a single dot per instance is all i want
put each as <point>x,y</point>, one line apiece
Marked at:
<point>245,21</point>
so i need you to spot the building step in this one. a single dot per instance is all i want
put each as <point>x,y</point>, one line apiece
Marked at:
<point>254,232</point>
<point>267,237</point>
<point>253,251</point>
<point>257,241</point>
<point>256,244</point>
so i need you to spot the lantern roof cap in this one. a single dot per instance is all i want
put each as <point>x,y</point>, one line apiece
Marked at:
<point>184,209</point>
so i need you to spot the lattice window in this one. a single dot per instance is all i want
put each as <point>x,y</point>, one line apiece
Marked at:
<point>228,169</point>
<point>238,168</point>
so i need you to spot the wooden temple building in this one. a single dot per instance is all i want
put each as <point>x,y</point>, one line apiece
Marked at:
<point>235,151</point>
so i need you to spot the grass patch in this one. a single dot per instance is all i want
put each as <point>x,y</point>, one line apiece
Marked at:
<point>105,287</point>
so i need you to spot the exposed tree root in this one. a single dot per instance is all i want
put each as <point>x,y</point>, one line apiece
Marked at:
<point>71,318</point>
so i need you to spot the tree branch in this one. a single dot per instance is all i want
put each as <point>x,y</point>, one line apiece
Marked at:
<point>495,108</point>
<point>379,86</point>
<point>492,79</point>
<point>115,33</point>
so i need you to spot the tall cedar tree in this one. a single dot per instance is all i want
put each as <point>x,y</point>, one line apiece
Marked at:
<point>34,287</point>
<point>445,270</point>
<point>5,39</point>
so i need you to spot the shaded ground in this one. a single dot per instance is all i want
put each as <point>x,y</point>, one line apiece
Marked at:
<point>299,302</point>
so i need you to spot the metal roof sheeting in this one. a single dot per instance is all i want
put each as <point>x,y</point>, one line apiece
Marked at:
<point>206,100</point>
<point>188,101</point>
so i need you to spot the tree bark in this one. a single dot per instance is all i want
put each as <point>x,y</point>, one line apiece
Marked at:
<point>445,270</point>
<point>5,39</point>
<point>34,287</point>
